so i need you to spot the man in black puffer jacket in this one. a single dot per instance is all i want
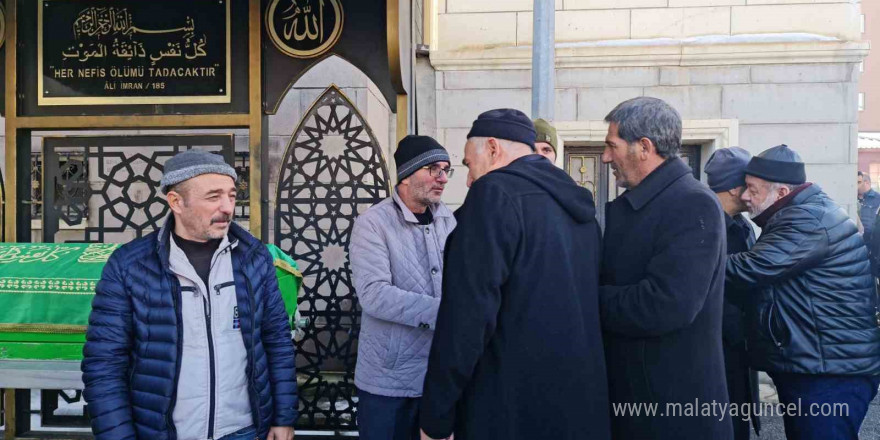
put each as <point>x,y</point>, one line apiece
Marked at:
<point>813,319</point>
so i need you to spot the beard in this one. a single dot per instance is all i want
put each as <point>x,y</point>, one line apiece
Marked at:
<point>424,196</point>
<point>756,210</point>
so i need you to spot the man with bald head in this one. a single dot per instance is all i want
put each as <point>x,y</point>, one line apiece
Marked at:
<point>518,339</point>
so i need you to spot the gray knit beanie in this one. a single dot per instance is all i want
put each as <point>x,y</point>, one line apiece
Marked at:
<point>192,163</point>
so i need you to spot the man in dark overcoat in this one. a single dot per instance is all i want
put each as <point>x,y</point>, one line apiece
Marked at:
<point>726,176</point>
<point>517,350</point>
<point>662,284</point>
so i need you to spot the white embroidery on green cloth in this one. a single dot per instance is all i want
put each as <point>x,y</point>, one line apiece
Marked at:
<point>97,253</point>
<point>68,286</point>
<point>33,253</point>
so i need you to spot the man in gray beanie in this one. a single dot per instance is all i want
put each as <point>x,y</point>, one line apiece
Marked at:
<point>726,173</point>
<point>397,267</point>
<point>188,335</point>
<point>812,305</point>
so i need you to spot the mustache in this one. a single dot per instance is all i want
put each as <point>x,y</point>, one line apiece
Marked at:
<point>223,218</point>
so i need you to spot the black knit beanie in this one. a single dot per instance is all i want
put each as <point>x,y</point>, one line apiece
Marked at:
<point>414,152</point>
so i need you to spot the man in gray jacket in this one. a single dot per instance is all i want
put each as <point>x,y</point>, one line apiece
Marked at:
<point>397,265</point>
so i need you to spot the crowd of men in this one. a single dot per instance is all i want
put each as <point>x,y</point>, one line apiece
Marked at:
<point>517,316</point>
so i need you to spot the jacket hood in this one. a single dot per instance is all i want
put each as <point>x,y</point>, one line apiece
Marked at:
<point>575,200</point>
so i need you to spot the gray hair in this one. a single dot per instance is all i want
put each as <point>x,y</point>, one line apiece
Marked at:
<point>776,186</point>
<point>650,118</point>
<point>865,176</point>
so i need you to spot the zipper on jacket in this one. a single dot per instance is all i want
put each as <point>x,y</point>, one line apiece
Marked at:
<point>222,286</point>
<point>770,326</point>
<point>212,368</point>
<point>206,300</point>
<point>176,294</point>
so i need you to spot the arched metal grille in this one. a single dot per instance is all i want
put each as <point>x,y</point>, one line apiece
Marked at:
<point>332,171</point>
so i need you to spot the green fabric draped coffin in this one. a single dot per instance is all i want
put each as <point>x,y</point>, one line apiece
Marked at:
<point>46,292</point>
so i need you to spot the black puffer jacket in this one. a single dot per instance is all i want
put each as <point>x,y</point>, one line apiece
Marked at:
<point>815,306</point>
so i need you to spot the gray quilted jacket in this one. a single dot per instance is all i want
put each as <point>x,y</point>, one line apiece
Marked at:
<point>397,266</point>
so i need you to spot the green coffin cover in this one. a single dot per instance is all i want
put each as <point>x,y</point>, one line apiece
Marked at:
<point>46,292</point>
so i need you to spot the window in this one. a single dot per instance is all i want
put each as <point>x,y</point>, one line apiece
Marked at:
<point>861,102</point>
<point>874,172</point>
<point>584,165</point>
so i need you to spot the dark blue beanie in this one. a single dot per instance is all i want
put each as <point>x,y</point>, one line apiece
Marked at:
<point>505,123</point>
<point>726,169</point>
<point>779,164</point>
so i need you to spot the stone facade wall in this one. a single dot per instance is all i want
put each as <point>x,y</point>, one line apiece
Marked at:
<point>474,24</point>
<point>869,119</point>
<point>761,65</point>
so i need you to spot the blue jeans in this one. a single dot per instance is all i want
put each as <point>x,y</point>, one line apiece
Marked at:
<point>387,418</point>
<point>811,393</point>
<point>249,433</point>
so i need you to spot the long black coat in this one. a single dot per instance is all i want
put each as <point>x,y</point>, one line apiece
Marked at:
<point>742,382</point>
<point>517,352</point>
<point>661,298</point>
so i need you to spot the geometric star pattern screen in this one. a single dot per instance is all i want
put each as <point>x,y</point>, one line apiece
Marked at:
<point>332,171</point>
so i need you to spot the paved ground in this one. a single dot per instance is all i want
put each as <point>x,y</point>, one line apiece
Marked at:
<point>772,428</point>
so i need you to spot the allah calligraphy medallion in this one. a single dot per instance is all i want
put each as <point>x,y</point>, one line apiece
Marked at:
<point>97,52</point>
<point>304,28</point>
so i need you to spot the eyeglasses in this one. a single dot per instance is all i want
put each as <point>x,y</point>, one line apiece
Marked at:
<point>435,171</point>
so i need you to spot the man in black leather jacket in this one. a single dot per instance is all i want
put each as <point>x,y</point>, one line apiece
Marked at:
<point>813,314</point>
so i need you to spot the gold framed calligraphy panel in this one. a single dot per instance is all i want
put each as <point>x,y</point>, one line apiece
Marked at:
<point>94,52</point>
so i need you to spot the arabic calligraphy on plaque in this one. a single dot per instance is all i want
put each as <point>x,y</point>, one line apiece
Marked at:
<point>304,28</point>
<point>94,23</point>
<point>126,51</point>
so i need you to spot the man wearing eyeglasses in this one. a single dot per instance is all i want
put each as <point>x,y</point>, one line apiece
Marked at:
<point>397,266</point>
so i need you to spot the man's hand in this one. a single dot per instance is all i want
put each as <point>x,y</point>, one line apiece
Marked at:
<point>425,437</point>
<point>280,433</point>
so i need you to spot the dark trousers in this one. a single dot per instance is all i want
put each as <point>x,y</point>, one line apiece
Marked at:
<point>387,418</point>
<point>819,394</point>
<point>742,388</point>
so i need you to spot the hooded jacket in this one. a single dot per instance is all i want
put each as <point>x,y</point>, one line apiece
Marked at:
<point>517,351</point>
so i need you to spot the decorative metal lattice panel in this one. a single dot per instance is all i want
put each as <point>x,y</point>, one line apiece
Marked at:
<point>107,187</point>
<point>63,409</point>
<point>36,185</point>
<point>332,171</point>
<point>243,196</point>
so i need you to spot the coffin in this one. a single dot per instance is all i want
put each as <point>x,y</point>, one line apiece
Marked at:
<point>46,292</point>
